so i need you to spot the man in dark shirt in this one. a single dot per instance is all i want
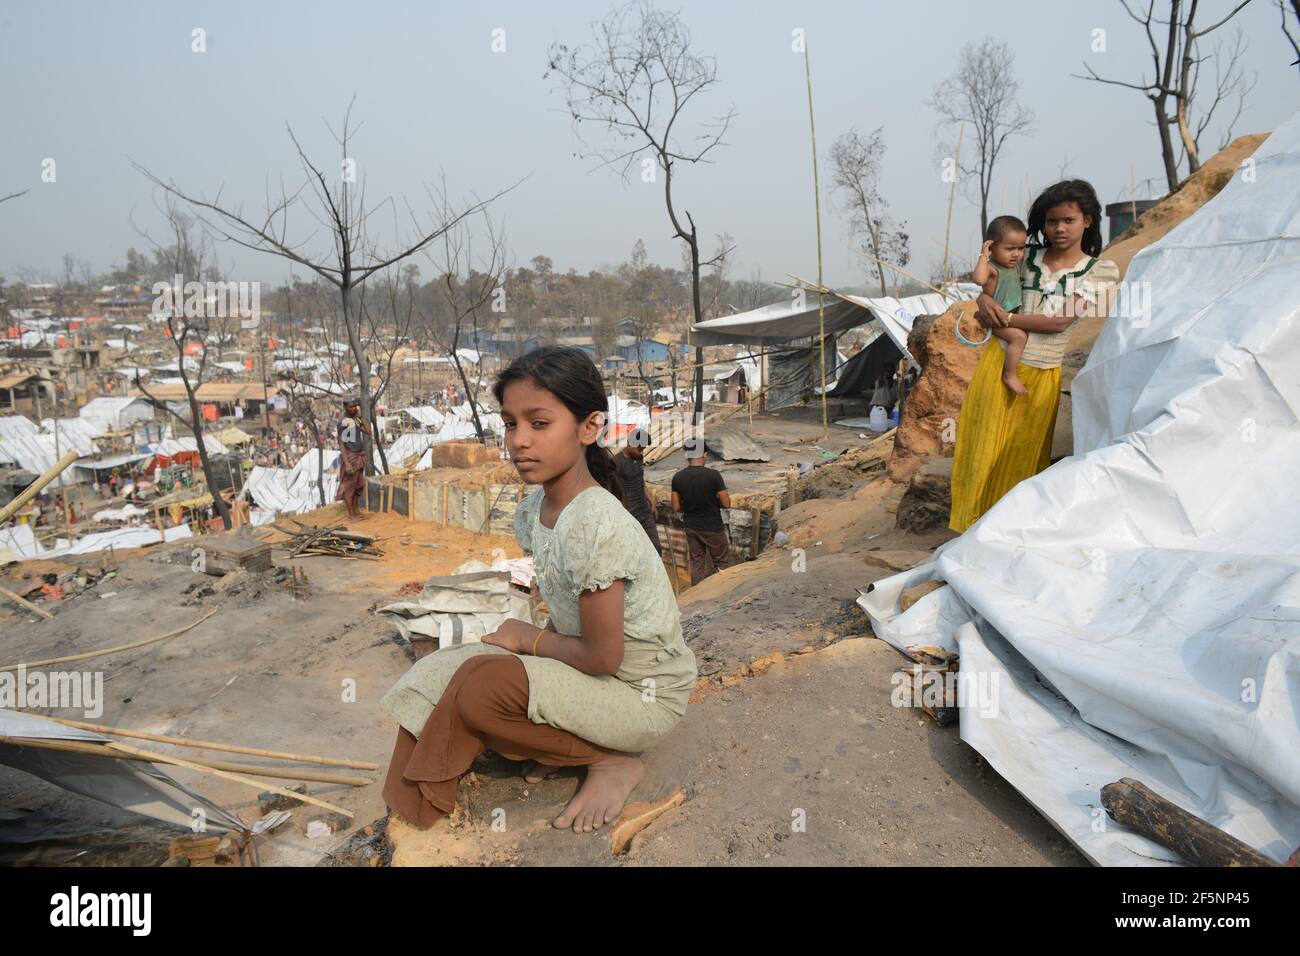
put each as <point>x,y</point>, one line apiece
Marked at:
<point>700,494</point>
<point>631,472</point>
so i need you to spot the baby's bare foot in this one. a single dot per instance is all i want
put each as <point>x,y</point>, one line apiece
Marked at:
<point>1012,381</point>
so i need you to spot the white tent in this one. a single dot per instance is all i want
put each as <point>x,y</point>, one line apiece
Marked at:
<point>77,434</point>
<point>426,415</point>
<point>784,322</point>
<point>1138,604</point>
<point>22,444</point>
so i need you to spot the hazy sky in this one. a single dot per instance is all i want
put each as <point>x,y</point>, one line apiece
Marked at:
<point>94,85</point>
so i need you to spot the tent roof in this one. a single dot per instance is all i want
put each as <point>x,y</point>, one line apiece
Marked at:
<point>779,323</point>
<point>782,323</point>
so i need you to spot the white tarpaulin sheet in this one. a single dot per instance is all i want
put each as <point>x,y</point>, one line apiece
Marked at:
<point>24,445</point>
<point>426,415</point>
<point>1139,602</point>
<point>781,322</point>
<point>18,542</point>
<point>896,316</point>
<point>133,785</point>
<point>626,411</point>
<point>124,513</point>
<point>293,490</point>
<point>407,446</point>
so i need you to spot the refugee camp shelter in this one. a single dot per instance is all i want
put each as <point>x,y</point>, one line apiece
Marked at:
<point>117,413</point>
<point>789,330</point>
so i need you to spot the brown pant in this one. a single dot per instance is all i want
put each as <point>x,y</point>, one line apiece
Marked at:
<point>712,545</point>
<point>485,707</point>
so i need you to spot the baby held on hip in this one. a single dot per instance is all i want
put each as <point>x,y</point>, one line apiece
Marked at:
<point>996,272</point>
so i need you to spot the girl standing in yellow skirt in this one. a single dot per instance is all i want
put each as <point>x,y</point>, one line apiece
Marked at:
<point>1003,437</point>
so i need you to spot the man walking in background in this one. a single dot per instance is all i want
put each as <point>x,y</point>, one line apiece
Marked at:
<point>631,473</point>
<point>700,494</point>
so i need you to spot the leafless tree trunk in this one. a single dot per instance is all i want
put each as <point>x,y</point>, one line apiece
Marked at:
<point>466,297</point>
<point>1177,64</point>
<point>635,80</point>
<point>982,92</point>
<point>1292,38</point>
<point>855,172</point>
<point>354,257</point>
<point>188,259</point>
<point>387,340</point>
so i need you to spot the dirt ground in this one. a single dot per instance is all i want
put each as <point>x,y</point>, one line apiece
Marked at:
<point>791,436</point>
<point>790,752</point>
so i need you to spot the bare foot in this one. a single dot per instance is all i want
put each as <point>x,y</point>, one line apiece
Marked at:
<point>535,772</point>
<point>1012,381</point>
<point>601,797</point>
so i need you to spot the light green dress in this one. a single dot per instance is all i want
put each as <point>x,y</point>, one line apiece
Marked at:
<point>594,543</point>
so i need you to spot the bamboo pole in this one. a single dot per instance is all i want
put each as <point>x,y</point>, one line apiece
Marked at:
<point>32,490</point>
<point>952,195</point>
<point>23,602</point>
<point>96,749</point>
<point>817,205</point>
<point>108,650</point>
<point>114,751</point>
<point>226,775</point>
<point>210,745</point>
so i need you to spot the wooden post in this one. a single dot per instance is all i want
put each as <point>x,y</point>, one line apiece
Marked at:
<point>23,602</point>
<point>756,517</point>
<point>1134,805</point>
<point>410,496</point>
<point>791,490</point>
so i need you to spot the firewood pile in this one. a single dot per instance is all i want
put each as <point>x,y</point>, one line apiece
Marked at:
<point>306,541</point>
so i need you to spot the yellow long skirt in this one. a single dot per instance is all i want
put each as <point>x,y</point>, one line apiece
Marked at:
<point>1002,437</point>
